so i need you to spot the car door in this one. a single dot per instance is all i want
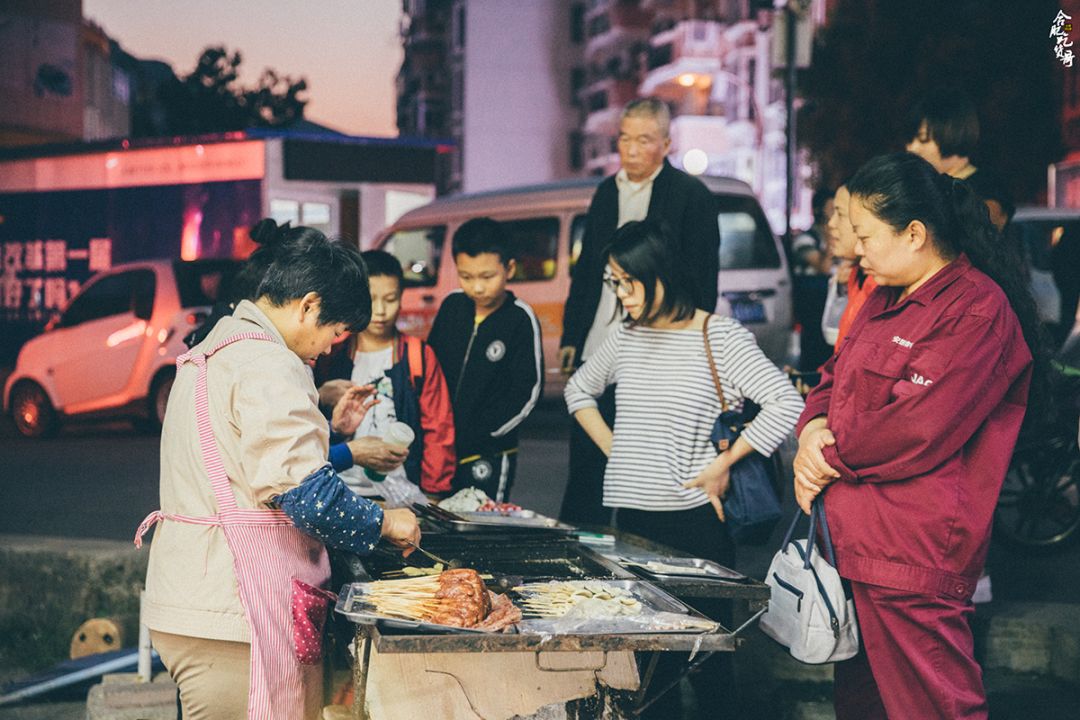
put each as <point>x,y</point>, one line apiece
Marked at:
<point>98,339</point>
<point>754,286</point>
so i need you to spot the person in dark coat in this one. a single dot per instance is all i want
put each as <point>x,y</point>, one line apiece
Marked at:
<point>646,186</point>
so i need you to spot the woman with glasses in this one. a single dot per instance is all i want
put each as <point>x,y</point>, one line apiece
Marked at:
<point>664,477</point>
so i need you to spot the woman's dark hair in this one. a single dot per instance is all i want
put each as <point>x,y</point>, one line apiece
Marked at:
<point>902,187</point>
<point>951,121</point>
<point>644,251</point>
<point>380,263</point>
<point>267,235</point>
<point>482,235</point>
<point>303,261</point>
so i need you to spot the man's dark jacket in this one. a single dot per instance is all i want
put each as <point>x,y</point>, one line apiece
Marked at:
<point>681,203</point>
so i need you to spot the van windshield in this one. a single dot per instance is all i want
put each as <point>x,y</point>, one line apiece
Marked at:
<point>419,250</point>
<point>745,239</point>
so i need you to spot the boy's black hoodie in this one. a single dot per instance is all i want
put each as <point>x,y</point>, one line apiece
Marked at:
<point>495,370</point>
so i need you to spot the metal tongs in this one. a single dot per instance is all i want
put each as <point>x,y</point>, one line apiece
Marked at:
<point>448,564</point>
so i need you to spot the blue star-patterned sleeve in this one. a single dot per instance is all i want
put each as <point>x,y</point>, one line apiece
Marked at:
<point>323,507</point>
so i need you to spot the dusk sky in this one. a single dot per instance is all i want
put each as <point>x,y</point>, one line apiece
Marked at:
<point>348,50</point>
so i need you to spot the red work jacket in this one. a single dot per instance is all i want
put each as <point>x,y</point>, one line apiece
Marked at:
<point>925,399</point>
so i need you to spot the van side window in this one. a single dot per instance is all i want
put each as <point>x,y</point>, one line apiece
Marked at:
<point>419,250</point>
<point>745,239</point>
<point>536,247</point>
<point>577,237</point>
<point>112,295</point>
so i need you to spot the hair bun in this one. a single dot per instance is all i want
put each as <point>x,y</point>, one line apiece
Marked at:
<point>267,232</point>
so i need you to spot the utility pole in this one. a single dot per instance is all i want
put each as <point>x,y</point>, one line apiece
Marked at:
<point>793,11</point>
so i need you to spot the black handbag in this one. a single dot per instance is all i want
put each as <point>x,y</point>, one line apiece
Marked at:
<point>752,508</point>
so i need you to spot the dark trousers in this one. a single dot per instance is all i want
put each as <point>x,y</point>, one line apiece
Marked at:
<point>494,474</point>
<point>700,533</point>
<point>583,503</point>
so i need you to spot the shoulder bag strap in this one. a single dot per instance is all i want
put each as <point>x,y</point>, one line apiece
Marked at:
<point>712,365</point>
<point>415,349</point>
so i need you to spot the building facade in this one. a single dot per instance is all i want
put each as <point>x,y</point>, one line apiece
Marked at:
<point>530,92</point>
<point>712,61</point>
<point>495,79</point>
<point>63,77</point>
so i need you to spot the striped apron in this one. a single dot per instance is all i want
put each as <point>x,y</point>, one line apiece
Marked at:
<point>279,573</point>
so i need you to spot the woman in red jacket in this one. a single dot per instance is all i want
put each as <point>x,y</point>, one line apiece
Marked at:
<point>912,428</point>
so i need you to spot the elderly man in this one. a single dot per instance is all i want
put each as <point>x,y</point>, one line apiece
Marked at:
<point>646,186</point>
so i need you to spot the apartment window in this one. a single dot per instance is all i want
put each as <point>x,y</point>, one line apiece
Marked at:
<point>577,83</point>
<point>576,144</point>
<point>599,25</point>
<point>459,27</point>
<point>577,23</point>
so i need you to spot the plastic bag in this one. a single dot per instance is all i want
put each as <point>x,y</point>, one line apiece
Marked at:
<point>399,492</point>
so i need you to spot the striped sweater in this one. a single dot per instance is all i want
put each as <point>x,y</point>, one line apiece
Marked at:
<point>666,405</point>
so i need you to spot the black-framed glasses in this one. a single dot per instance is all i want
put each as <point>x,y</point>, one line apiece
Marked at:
<point>617,285</point>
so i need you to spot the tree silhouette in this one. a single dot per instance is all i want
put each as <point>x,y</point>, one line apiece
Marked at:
<point>210,99</point>
<point>875,58</point>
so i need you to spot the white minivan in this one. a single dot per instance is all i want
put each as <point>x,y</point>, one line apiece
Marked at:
<point>547,223</point>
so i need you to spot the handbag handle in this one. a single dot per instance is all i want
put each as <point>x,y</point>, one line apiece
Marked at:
<point>817,515</point>
<point>712,365</point>
<point>830,554</point>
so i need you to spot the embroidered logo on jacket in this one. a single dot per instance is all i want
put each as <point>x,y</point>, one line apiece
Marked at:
<point>920,380</point>
<point>901,341</point>
<point>496,351</point>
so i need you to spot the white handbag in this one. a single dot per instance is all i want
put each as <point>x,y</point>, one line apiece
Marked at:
<point>808,612</point>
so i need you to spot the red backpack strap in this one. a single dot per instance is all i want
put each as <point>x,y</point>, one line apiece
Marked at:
<point>414,346</point>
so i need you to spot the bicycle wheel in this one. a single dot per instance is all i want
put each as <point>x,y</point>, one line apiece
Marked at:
<point>1039,505</point>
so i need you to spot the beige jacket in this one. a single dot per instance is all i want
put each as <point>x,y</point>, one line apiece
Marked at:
<point>271,435</point>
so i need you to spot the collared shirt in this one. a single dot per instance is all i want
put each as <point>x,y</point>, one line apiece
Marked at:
<point>634,199</point>
<point>925,399</point>
<point>271,435</point>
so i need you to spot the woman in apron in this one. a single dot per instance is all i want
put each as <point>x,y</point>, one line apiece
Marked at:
<point>235,590</point>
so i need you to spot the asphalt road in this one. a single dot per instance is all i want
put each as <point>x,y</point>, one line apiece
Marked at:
<point>100,480</point>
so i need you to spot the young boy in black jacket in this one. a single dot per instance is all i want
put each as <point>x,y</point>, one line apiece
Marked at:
<point>488,344</point>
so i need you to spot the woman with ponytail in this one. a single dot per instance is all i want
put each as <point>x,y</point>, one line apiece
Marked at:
<point>911,431</point>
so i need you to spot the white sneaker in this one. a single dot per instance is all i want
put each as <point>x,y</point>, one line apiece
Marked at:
<point>983,593</point>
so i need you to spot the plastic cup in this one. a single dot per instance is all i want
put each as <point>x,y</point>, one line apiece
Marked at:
<point>398,434</point>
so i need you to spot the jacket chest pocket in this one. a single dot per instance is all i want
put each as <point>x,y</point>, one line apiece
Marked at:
<point>894,373</point>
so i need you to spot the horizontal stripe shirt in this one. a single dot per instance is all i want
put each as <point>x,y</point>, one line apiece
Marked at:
<point>666,405</point>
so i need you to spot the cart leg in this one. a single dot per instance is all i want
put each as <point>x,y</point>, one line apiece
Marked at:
<point>360,675</point>
<point>650,669</point>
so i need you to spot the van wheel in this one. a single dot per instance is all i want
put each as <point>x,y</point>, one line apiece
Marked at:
<point>32,412</point>
<point>157,401</point>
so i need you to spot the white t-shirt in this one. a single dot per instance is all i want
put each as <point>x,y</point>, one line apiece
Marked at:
<point>369,368</point>
<point>634,199</point>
